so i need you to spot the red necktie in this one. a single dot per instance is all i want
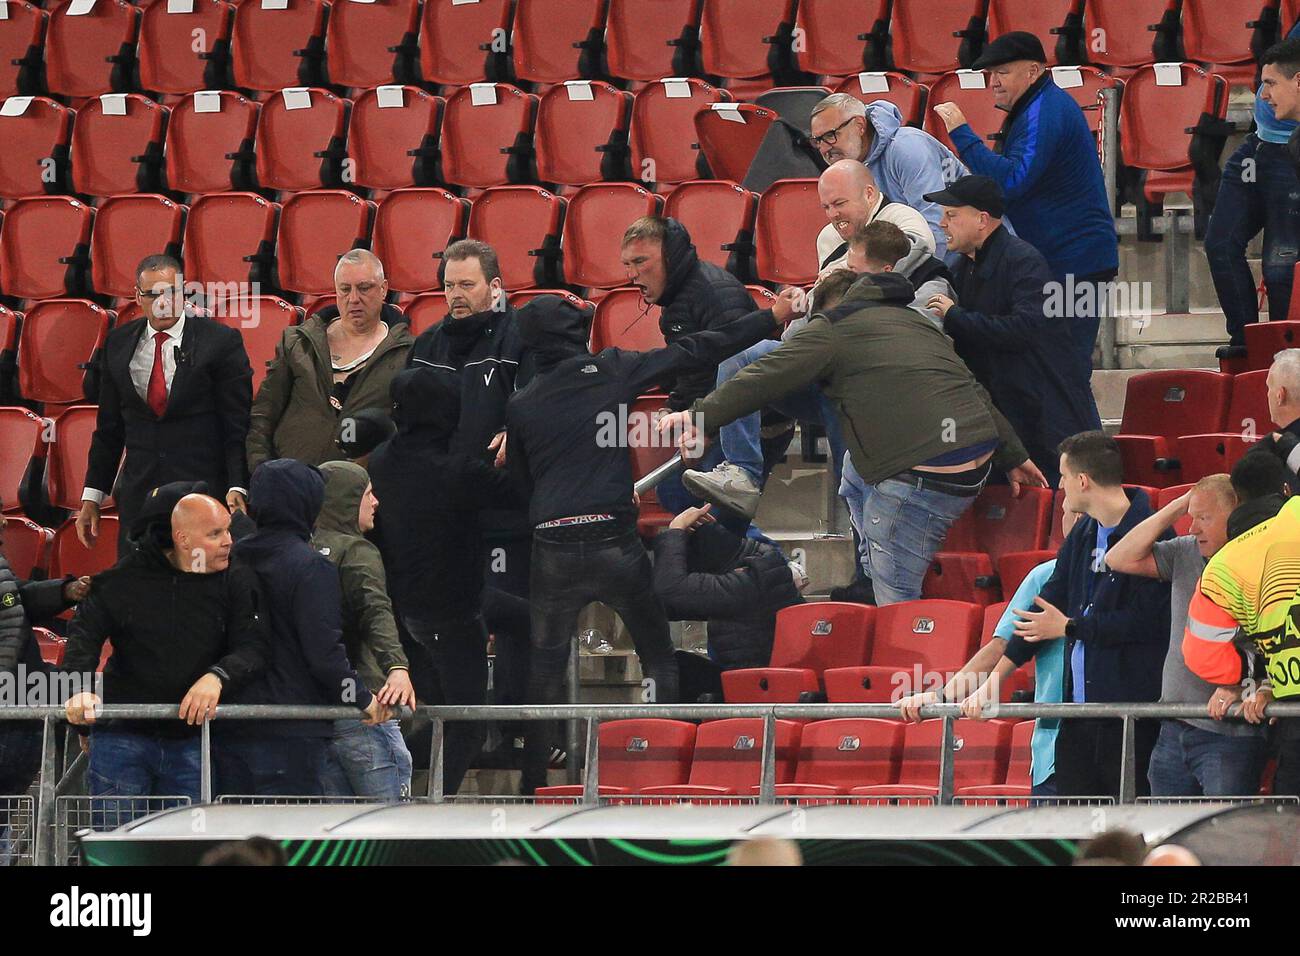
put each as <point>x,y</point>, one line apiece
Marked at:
<point>157,394</point>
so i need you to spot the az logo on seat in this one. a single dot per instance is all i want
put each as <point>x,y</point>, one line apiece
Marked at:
<point>923,625</point>
<point>637,745</point>
<point>743,743</point>
<point>849,743</point>
<point>821,628</point>
<point>958,743</point>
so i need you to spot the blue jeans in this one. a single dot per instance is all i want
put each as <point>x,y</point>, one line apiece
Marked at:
<point>368,761</point>
<point>1259,190</point>
<point>264,765</point>
<point>1045,789</point>
<point>900,527</point>
<point>1190,762</point>
<point>1084,324</point>
<point>128,764</point>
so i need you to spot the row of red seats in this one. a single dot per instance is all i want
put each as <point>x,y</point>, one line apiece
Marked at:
<point>33,550</point>
<point>880,759</point>
<point>90,47</point>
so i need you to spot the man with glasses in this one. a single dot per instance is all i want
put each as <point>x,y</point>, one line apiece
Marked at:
<point>174,390</point>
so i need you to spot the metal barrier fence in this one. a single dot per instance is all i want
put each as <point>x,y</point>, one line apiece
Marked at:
<point>58,813</point>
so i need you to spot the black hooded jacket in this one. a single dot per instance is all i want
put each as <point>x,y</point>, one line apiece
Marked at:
<point>698,296</point>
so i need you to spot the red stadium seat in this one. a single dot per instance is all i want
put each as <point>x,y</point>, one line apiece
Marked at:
<point>69,556</point>
<point>300,140</point>
<point>373,43</point>
<point>999,522</point>
<point>486,135</point>
<point>1019,781</point>
<point>393,136</point>
<point>210,142</point>
<point>1039,17</point>
<point>938,635</point>
<point>20,436</point>
<point>810,638</point>
<point>66,459</point>
<point>22,44</point>
<point>969,90</point>
<point>128,228</point>
<point>738,38</point>
<point>436,216</point>
<point>425,311</point>
<point>727,759</point>
<point>88,52</point>
<point>1021,680</point>
<point>59,337</point>
<point>645,48</point>
<point>1248,410</point>
<point>1184,524</point>
<point>1265,339</point>
<point>261,320</point>
<point>557,40</point>
<point>663,128</point>
<point>1014,566</point>
<point>51,645</point>
<point>1126,36</point>
<point>169,62</point>
<point>720,218</point>
<point>961,576</point>
<point>317,227</point>
<point>36,136</point>
<point>646,457</point>
<point>836,756</point>
<point>981,750</point>
<point>117,145</point>
<point>1160,406</point>
<point>593,230</point>
<point>788,223</point>
<point>230,237</point>
<point>274,46</point>
<point>729,135</point>
<point>45,247</point>
<point>582,133</point>
<point>26,547</point>
<point>522,223</point>
<point>897,88</point>
<point>9,322</point>
<point>624,320</point>
<point>463,43</point>
<point>1085,84</point>
<point>925,34</point>
<point>871,684</point>
<point>1210,454</point>
<point>1219,32</point>
<point>635,754</point>
<point>832,41</point>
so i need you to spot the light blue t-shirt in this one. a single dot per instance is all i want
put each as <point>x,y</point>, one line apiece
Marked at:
<point>1049,670</point>
<point>1268,127</point>
<point>1077,672</point>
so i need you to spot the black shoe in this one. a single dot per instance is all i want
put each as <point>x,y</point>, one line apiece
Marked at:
<point>1230,352</point>
<point>859,592</point>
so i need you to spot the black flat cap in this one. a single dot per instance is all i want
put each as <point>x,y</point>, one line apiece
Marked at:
<point>978,191</point>
<point>1017,45</point>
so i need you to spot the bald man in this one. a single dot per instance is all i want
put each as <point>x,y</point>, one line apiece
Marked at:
<point>185,629</point>
<point>850,199</point>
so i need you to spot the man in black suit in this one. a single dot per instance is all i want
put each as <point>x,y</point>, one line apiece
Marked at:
<point>175,391</point>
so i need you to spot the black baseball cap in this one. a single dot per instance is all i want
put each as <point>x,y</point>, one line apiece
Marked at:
<point>978,191</point>
<point>1017,45</point>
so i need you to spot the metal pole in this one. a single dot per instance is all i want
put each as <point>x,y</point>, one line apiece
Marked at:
<point>948,741</point>
<point>591,785</point>
<point>1177,265</point>
<point>205,762</point>
<point>573,732</point>
<point>1128,762</point>
<point>1110,145</point>
<point>45,797</point>
<point>656,475</point>
<point>767,769</point>
<point>435,760</point>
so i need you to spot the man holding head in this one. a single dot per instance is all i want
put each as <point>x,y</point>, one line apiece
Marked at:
<point>185,629</point>
<point>338,362</point>
<point>174,394</point>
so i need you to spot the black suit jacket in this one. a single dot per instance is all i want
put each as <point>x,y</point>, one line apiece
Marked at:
<point>201,434</point>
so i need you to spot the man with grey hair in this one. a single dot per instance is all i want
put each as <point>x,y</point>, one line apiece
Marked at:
<point>338,362</point>
<point>906,162</point>
<point>1283,384</point>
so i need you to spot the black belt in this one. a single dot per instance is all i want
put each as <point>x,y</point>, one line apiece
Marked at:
<point>943,487</point>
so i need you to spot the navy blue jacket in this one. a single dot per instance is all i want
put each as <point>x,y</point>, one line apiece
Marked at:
<point>300,600</point>
<point>1126,634</point>
<point>1013,343</point>
<point>1048,168</point>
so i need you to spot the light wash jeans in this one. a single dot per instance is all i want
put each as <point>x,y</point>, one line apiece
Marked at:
<point>368,761</point>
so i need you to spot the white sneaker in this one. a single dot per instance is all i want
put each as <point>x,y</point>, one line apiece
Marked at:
<point>727,485</point>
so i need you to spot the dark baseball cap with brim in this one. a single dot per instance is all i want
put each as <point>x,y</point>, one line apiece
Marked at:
<point>978,191</point>
<point>1010,47</point>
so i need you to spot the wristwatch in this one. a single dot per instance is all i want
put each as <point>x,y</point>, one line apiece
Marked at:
<point>1070,626</point>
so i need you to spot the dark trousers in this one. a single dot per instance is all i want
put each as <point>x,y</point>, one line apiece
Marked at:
<point>1089,757</point>
<point>1259,190</point>
<point>566,577</point>
<point>1286,782</point>
<point>1084,324</point>
<point>20,755</point>
<point>267,765</point>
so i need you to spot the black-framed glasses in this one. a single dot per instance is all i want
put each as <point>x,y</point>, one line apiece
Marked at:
<point>829,137</point>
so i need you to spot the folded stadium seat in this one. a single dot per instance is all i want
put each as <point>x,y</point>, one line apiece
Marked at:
<point>210,142</point>
<point>1212,454</point>
<point>1164,105</point>
<point>981,751</point>
<point>720,218</point>
<point>1165,495</point>
<point>557,40</point>
<point>763,298</point>
<point>520,299</point>
<point>393,137</point>
<point>810,638</point>
<point>1160,406</point>
<point>897,88</point>
<point>794,104</point>
<point>1129,35</point>
<point>1085,84</point>
<point>26,547</point>
<point>128,228</point>
<point>487,135</point>
<point>873,684</point>
<point>279,43</point>
<point>1021,680</point>
<point>51,646</point>
<point>729,135</point>
<point>522,223</point>
<point>969,90</point>
<point>1223,32</point>
<point>22,47</point>
<point>936,36</point>
<point>841,37</point>
<point>648,451</point>
<point>117,145</point>
<point>230,237</point>
<point>785,232</point>
<point>90,47</point>
<point>59,337</point>
<point>10,322</point>
<point>836,756</point>
<point>938,635</point>
<point>301,137</point>
<point>36,133</point>
<point>642,48</point>
<point>624,320</point>
<point>169,33</point>
<point>316,227</point>
<point>746,38</point>
<point>1056,537</point>
<point>582,130</point>
<point>261,320</point>
<point>727,760</point>
<point>436,216</point>
<point>1046,19</point>
<point>69,556</point>
<point>20,437</point>
<point>597,217</point>
<point>635,754</point>
<point>45,247</point>
<point>463,43</point>
<point>1019,781</point>
<point>1248,409</point>
<point>425,311</point>
<point>1014,566</point>
<point>1265,339</point>
<point>663,128</point>
<point>373,42</point>
<point>67,456</point>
